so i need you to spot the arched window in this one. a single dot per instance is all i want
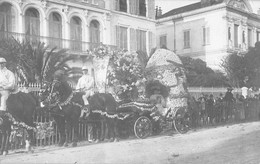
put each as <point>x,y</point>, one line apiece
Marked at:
<point>55,29</point>
<point>76,33</point>
<point>32,22</point>
<point>94,31</point>
<point>7,17</point>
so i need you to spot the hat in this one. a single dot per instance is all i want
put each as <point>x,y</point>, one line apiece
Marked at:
<point>84,68</point>
<point>2,60</point>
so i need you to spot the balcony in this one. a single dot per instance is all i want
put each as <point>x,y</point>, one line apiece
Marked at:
<point>74,46</point>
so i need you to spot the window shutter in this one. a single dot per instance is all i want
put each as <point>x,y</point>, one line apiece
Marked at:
<point>188,39</point>
<point>138,39</point>
<point>133,41</point>
<point>13,23</point>
<point>2,22</point>
<point>208,35</point>
<point>204,35</point>
<point>118,36</point>
<point>151,9</point>
<point>137,7</point>
<point>131,7</point>
<point>150,35</point>
<point>117,5</point>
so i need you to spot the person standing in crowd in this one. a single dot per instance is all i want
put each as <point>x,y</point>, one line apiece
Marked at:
<point>7,83</point>
<point>210,108</point>
<point>220,108</point>
<point>229,99</point>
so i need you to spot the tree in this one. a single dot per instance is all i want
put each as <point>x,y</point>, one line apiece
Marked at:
<point>199,75</point>
<point>238,66</point>
<point>34,62</point>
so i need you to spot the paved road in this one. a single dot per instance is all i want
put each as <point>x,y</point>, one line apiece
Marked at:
<point>236,144</point>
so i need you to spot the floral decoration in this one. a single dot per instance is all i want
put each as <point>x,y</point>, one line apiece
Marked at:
<point>126,76</point>
<point>100,51</point>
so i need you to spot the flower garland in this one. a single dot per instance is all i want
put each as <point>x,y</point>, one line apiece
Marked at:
<point>100,52</point>
<point>17,123</point>
<point>125,75</point>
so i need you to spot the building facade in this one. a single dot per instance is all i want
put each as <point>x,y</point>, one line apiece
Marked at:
<point>209,30</point>
<point>80,25</point>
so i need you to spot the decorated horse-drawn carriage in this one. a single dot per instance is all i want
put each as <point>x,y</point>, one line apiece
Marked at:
<point>162,100</point>
<point>134,98</point>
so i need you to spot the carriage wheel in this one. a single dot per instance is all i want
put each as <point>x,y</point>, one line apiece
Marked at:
<point>181,123</point>
<point>143,127</point>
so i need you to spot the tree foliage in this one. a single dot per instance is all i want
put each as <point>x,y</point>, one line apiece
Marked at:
<point>33,62</point>
<point>238,66</point>
<point>199,75</point>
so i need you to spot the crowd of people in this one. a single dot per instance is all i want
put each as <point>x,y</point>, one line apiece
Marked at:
<point>224,108</point>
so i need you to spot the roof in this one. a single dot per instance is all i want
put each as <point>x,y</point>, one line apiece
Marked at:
<point>187,8</point>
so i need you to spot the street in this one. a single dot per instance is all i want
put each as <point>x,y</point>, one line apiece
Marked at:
<point>239,143</point>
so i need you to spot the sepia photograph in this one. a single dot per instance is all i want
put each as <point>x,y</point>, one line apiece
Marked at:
<point>129,81</point>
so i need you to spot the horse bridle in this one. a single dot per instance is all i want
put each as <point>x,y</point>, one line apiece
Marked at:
<point>51,94</point>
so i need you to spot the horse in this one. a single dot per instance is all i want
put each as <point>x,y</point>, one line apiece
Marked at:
<point>20,110</point>
<point>5,131</point>
<point>106,105</point>
<point>65,107</point>
<point>101,106</point>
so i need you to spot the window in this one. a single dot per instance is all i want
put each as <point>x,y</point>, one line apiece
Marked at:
<point>257,36</point>
<point>7,17</point>
<point>206,35</point>
<point>243,37</point>
<point>249,37</point>
<point>142,8</point>
<point>141,40</point>
<point>138,7</point>
<point>236,35</point>
<point>187,39</point>
<point>229,33</point>
<point>76,33</point>
<point>122,37</point>
<point>55,29</point>
<point>32,25</point>
<point>32,22</point>
<point>94,31</point>
<point>163,41</point>
<point>123,5</point>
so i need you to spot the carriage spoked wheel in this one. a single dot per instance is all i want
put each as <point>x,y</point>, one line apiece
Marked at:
<point>143,127</point>
<point>181,122</point>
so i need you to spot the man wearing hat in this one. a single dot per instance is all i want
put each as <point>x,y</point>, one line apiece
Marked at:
<point>86,84</point>
<point>229,99</point>
<point>7,83</point>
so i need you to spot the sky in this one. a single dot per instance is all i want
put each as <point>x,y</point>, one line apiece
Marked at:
<point>168,5</point>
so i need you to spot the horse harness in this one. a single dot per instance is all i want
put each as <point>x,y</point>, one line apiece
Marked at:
<point>68,101</point>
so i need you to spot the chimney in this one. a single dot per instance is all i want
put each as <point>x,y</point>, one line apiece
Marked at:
<point>159,11</point>
<point>156,12</point>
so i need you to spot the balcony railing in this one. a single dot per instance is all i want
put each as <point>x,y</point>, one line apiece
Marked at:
<point>75,46</point>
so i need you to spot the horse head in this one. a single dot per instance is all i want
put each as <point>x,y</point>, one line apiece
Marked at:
<point>48,95</point>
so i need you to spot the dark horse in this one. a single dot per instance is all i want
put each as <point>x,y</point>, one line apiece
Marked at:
<point>20,110</point>
<point>65,107</point>
<point>106,106</point>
